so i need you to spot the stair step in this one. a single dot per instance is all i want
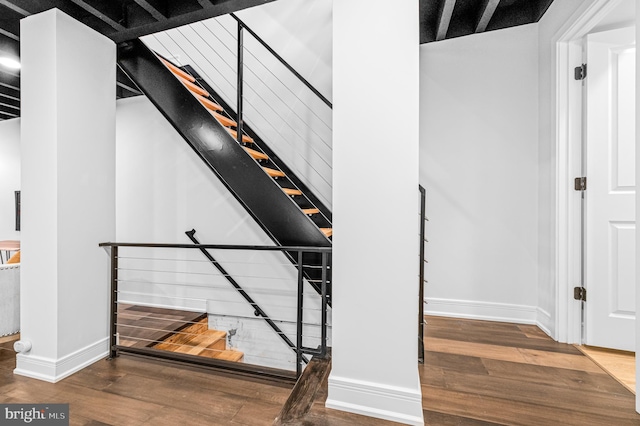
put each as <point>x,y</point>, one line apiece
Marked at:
<point>210,104</point>
<point>327,232</point>
<point>273,173</point>
<point>245,138</point>
<point>256,154</point>
<point>228,355</point>
<point>177,71</point>
<point>194,88</point>
<point>205,342</point>
<point>291,191</point>
<point>310,211</point>
<point>224,120</point>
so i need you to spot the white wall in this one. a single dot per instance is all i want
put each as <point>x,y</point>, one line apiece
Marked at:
<point>375,262</point>
<point>9,177</point>
<point>479,165</point>
<point>68,193</point>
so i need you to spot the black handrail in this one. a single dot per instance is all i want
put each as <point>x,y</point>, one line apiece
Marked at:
<point>258,311</point>
<point>423,218</point>
<point>299,349</point>
<point>282,61</point>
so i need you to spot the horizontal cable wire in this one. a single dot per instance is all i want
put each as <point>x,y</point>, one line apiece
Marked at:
<point>247,84</point>
<point>268,69</point>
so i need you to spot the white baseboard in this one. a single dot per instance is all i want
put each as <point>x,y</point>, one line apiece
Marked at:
<point>544,322</point>
<point>488,311</point>
<point>392,403</point>
<point>52,370</point>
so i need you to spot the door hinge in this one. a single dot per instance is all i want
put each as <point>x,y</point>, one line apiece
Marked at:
<point>580,184</point>
<point>580,293</point>
<point>580,73</point>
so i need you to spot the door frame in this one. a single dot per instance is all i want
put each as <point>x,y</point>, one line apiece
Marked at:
<point>569,165</point>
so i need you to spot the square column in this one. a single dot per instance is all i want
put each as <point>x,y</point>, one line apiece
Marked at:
<point>68,193</point>
<point>375,210</point>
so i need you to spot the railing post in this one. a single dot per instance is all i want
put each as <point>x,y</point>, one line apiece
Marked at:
<point>240,83</point>
<point>323,329</point>
<point>299,315</point>
<point>113,342</point>
<point>421,288</point>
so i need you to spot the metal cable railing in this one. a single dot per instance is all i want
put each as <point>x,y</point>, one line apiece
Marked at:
<point>165,304</point>
<point>274,100</point>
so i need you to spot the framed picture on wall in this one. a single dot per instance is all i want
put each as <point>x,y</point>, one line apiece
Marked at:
<point>17,210</point>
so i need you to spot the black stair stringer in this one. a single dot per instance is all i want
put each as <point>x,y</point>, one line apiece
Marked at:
<point>274,211</point>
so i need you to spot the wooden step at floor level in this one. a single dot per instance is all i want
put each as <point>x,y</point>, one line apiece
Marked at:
<point>194,88</point>
<point>178,72</point>
<point>224,120</point>
<point>245,138</point>
<point>256,154</point>
<point>209,104</point>
<point>310,211</point>
<point>327,231</point>
<point>209,341</point>
<point>292,192</point>
<point>273,173</point>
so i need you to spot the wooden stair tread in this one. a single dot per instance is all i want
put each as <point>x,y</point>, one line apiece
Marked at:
<point>227,355</point>
<point>273,173</point>
<point>177,71</point>
<point>224,120</point>
<point>209,104</point>
<point>194,88</point>
<point>292,191</point>
<point>256,154</point>
<point>311,211</point>
<point>327,231</point>
<point>245,138</point>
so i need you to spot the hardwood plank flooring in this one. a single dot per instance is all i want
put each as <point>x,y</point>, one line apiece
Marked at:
<point>621,365</point>
<point>475,373</point>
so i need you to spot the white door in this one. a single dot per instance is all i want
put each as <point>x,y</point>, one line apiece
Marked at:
<point>610,266</point>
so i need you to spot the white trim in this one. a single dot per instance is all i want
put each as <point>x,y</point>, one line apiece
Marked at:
<point>487,311</point>
<point>386,402</point>
<point>568,163</point>
<point>52,370</point>
<point>544,321</point>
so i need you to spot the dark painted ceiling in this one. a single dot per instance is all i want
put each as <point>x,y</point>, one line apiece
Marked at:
<point>444,19</point>
<point>119,20</point>
<point>123,20</point>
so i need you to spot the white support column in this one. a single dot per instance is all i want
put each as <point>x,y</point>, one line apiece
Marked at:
<point>375,204</point>
<point>68,193</point>
<point>637,215</point>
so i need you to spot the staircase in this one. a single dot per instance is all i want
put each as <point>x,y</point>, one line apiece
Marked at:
<point>278,201</point>
<point>197,339</point>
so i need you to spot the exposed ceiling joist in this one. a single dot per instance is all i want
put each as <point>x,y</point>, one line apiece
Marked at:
<point>220,7</point>
<point>204,3</point>
<point>152,9</point>
<point>18,9</point>
<point>129,88</point>
<point>489,9</point>
<point>98,14</point>
<point>445,19</point>
<point>8,34</point>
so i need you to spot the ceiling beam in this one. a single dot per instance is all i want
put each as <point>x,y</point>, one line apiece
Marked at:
<point>8,115</point>
<point>9,86</point>
<point>221,7</point>
<point>205,3</point>
<point>445,19</point>
<point>153,10</point>
<point>98,14</point>
<point>489,9</point>
<point>13,7</point>
<point>10,35</point>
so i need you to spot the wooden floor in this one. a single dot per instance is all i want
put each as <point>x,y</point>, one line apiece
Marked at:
<point>619,364</point>
<point>475,373</point>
